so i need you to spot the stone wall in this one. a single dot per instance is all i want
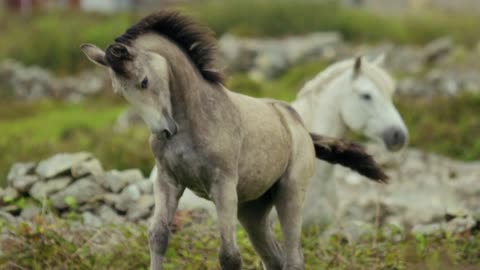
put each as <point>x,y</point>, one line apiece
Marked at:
<point>33,83</point>
<point>438,68</point>
<point>427,193</point>
<point>76,183</point>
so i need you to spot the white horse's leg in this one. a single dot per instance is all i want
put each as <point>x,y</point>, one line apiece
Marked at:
<point>166,194</point>
<point>321,203</point>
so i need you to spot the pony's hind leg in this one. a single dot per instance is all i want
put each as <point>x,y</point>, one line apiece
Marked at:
<point>254,217</point>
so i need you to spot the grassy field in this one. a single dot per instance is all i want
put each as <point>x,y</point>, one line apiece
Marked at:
<point>60,245</point>
<point>52,39</point>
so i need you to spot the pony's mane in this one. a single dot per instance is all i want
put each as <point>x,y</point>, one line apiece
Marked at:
<point>379,76</point>
<point>198,42</point>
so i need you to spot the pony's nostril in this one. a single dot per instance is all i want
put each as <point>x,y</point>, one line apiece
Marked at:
<point>397,136</point>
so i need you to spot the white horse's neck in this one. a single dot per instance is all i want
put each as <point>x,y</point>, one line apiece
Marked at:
<point>320,110</point>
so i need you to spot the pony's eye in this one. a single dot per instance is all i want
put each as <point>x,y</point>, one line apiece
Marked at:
<point>366,96</point>
<point>144,83</point>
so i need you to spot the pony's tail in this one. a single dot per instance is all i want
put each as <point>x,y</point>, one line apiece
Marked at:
<point>348,154</point>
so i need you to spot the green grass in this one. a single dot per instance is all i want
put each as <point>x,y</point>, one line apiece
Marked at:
<point>60,245</point>
<point>444,125</point>
<point>34,131</point>
<point>52,39</point>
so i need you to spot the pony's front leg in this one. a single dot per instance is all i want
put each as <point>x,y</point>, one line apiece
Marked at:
<point>167,193</point>
<point>224,195</point>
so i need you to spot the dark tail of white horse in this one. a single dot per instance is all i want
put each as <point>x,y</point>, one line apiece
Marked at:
<point>348,154</point>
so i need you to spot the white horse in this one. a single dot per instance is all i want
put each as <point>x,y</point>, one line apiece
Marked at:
<point>351,95</point>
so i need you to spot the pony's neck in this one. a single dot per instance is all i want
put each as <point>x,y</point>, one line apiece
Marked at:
<point>189,92</point>
<point>321,111</point>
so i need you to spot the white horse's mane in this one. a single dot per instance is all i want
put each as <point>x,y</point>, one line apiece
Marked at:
<point>380,77</point>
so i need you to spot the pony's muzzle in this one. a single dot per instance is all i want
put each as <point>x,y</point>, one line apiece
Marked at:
<point>171,128</point>
<point>394,138</point>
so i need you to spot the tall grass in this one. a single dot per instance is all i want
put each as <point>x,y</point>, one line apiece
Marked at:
<point>284,17</point>
<point>52,39</point>
<point>58,244</point>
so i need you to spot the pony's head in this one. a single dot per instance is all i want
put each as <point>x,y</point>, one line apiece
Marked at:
<point>367,106</point>
<point>143,63</point>
<point>142,78</point>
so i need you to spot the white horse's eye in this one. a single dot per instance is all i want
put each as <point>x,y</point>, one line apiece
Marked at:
<point>366,97</point>
<point>144,83</point>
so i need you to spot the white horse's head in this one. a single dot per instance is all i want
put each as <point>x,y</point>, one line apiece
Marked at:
<point>367,106</point>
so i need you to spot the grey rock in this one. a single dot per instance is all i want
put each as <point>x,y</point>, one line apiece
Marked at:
<point>109,216</point>
<point>10,194</point>
<point>83,190</point>
<point>236,55</point>
<point>267,58</point>
<point>116,181</point>
<point>20,169</point>
<point>33,83</point>
<point>145,186</point>
<point>87,167</point>
<point>111,198</point>
<point>60,163</point>
<point>461,224</point>
<point>25,182</point>
<point>90,219</point>
<point>438,49</point>
<point>9,218</point>
<point>41,190</point>
<point>269,65</point>
<point>30,211</point>
<point>12,209</point>
<point>128,197</point>
<point>141,209</point>
<point>429,229</point>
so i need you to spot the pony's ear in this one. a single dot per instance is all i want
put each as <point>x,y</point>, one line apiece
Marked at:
<point>94,54</point>
<point>357,67</point>
<point>379,60</point>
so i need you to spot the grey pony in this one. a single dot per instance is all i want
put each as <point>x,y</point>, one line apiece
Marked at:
<point>247,155</point>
